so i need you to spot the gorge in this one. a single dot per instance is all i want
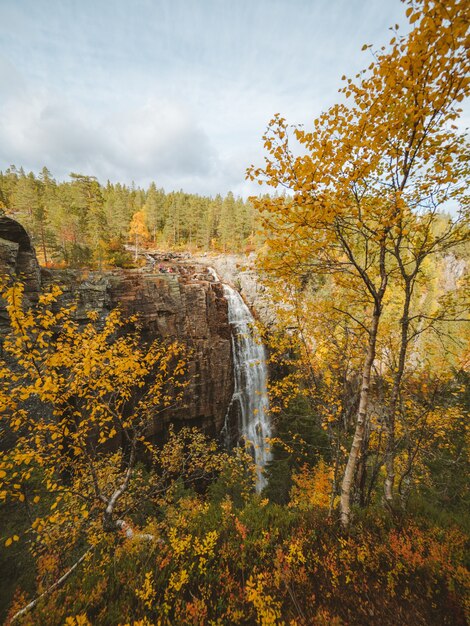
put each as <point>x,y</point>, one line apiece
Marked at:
<point>175,297</point>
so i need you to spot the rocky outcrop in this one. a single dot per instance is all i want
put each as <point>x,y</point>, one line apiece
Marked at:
<point>18,259</point>
<point>174,298</point>
<point>185,305</point>
<point>240,272</point>
<point>453,269</point>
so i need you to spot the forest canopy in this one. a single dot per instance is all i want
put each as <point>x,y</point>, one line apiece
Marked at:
<point>83,223</point>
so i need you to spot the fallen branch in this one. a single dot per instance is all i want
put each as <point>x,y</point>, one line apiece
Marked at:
<point>131,534</point>
<point>121,525</point>
<point>48,591</point>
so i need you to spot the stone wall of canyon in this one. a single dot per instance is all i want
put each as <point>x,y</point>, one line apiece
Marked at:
<point>175,299</point>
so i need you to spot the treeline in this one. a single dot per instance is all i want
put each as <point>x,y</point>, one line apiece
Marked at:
<point>81,222</point>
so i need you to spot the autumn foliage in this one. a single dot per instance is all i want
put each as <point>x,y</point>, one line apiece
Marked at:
<point>364,519</point>
<point>263,564</point>
<point>368,185</point>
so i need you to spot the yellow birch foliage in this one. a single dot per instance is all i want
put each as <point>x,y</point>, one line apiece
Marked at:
<point>76,404</point>
<point>367,185</point>
<point>138,226</point>
<point>368,166</point>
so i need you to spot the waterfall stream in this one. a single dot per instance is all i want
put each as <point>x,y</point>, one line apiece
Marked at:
<point>250,396</point>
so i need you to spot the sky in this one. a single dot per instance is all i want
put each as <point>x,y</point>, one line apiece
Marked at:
<point>174,91</point>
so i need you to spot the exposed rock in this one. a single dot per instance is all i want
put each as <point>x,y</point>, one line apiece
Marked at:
<point>175,297</point>
<point>175,305</point>
<point>240,272</point>
<point>17,256</point>
<point>454,269</point>
<point>8,256</point>
<point>18,260</point>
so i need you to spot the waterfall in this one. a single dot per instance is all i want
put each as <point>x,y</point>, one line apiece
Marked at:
<point>250,394</point>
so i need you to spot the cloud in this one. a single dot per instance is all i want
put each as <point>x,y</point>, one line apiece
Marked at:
<point>162,138</point>
<point>159,139</point>
<point>175,91</point>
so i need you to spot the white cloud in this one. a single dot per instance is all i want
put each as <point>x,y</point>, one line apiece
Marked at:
<point>157,140</point>
<point>171,90</point>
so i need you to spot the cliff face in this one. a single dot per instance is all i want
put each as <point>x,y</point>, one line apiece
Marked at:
<point>185,305</point>
<point>177,299</point>
<point>240,272</point>
<point>18,259</point>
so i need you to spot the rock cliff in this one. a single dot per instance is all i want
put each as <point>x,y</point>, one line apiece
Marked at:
<point>239,271</point>
<point>18,259</point>
<point>177,299</point>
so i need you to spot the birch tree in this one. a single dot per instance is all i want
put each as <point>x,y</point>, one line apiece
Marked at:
<point>78,405</point>
<point>368,182</point>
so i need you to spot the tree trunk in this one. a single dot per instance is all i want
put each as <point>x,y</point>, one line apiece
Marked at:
<point>361,478</point>
<point>390,441</point>
<point>348,478</point>
<point>52,588</point>
<point>43,242</point>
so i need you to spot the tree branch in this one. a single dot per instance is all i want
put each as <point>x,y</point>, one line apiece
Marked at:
<point>50,589</point>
